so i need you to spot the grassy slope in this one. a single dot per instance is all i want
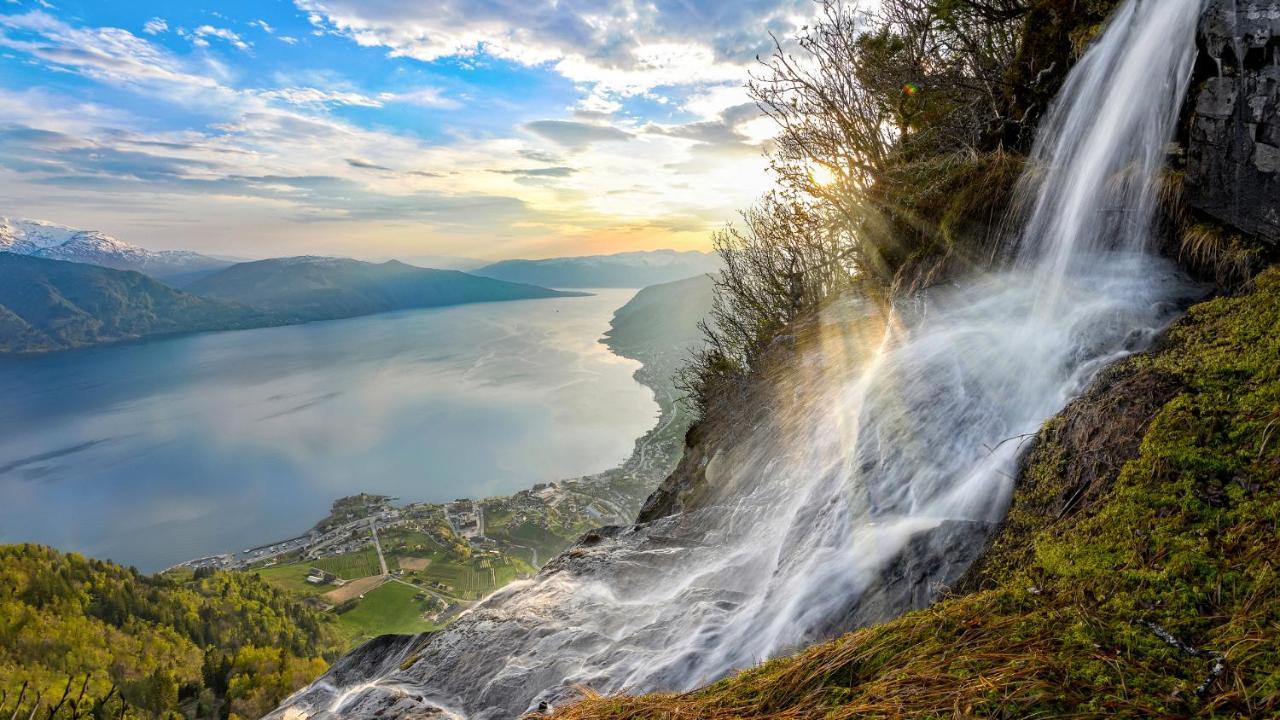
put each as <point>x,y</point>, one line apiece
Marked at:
<point>292,577</point>
<point>391,608</point>
<point>1109,544</point>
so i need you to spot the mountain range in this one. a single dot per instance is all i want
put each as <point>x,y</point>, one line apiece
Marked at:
<point>316,288</point>
<point>62,288</point>
<point>59,242</point>
<point>622,270</point>
<point>55,305</point>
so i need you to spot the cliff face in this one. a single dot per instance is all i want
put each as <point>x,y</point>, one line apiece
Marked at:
<point>1233,159</point>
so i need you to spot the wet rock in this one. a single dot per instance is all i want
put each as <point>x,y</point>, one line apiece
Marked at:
<point>929,564</point>
<point>1233,158</point>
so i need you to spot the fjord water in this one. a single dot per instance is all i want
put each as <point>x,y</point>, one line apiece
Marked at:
<point>158,452</point>
<point>897,436</point>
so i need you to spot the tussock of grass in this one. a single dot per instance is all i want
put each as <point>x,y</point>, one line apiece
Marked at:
<point>1225,256</point>
<point>1112,548</point>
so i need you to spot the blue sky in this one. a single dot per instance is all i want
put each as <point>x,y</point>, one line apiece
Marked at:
<point>373,128</point>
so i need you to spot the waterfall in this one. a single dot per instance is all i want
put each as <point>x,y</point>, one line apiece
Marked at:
<point>891,447</point>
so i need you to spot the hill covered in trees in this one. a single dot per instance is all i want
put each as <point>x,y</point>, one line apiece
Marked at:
<point>55,305</point>
<point>106,641</point>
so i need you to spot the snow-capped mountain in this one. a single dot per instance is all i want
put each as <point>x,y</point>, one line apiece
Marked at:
<point>59,242</point>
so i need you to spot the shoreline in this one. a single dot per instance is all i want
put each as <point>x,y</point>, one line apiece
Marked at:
<point>581,503</point>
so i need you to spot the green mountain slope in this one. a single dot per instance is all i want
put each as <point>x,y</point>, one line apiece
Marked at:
<point>54,305</point>
<point>211,646</point>
<point>317,288</point>
<point>662,316</point>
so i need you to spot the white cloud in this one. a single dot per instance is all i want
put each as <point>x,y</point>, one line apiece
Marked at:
<point>199,36</point>
<point>621,48</point>
<point>277,155</point>
<point>424,96</point>
<point>576,135</point>
<point>316,96</point>
<point>108,54</point>
<point>222,33</point>
<point>155,26</point>
<point>262,24</point>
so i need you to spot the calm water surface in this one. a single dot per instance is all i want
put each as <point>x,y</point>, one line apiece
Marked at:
<point>154,453</point>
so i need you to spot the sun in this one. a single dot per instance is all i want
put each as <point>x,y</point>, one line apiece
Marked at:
<point>822,175</point>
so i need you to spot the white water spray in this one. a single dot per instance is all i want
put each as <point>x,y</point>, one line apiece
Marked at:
<point>888,449</point>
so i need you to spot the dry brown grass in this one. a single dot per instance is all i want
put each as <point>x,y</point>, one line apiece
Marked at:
<point>413,564</point>
<point>353,589</point>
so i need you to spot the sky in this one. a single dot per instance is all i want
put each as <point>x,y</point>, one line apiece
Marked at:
<point>386,128</point>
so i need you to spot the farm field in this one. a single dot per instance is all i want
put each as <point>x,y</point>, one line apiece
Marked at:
<point>475,579</point>
<point>353,589</point>
<point>351,565</point>
<point>292,578</point>
<point>391,608</point>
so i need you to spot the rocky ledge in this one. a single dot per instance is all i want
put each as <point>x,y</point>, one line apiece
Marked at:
<point>1233,161</point>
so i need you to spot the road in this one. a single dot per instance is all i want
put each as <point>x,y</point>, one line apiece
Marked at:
<point>335,535</point>
<point>382,561</point>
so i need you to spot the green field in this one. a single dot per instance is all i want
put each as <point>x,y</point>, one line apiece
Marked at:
<point>409,544</point>
<point>529,535</point>
<point>391,608</point>
<point>350,566</point>
<point>474,579</point>
<point>292,577</point>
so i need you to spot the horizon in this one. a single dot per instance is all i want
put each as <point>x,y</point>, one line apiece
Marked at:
<point>332,127</point>
<point>453,262</point>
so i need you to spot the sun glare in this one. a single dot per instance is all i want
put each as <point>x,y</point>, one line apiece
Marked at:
<point>822,176</point>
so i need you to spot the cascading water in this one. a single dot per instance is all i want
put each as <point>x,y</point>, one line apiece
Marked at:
<point>888,448</point>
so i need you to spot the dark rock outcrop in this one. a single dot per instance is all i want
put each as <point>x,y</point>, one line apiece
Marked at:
<point>1233,160</point>
<point>931,563</point>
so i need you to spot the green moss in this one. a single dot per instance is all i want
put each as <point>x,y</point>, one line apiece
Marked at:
<point>1109,543</point>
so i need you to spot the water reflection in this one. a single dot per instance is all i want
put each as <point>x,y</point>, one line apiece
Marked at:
<point>153,453</point>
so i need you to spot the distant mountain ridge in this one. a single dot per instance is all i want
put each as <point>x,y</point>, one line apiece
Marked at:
<point>50,305</point>
<point>38,238</point>
<point>315,288</point>
<point>625,270</point>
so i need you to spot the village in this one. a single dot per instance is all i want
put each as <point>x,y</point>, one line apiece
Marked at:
<point>381,566</point>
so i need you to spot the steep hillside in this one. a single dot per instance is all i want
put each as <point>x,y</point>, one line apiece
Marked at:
<point>121,644</point>
<point>52,305</point>
<point>318,288</point>
<point>662,316</point>
<point>1135,575</point>
<point>628,270</point>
